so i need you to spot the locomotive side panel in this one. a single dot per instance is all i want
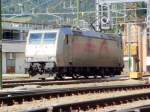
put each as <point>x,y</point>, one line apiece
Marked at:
<point>94,52</point>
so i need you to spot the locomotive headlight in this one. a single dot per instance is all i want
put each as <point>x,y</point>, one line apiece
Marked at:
<point>51,58</point>
<point>29,58</point>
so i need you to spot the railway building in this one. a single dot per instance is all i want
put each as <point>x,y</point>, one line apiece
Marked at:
<point>13,47</point>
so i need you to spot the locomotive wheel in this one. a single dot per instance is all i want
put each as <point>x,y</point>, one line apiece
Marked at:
<point>32,73</point>
<point>43,79</point>
<point>102,76</point>
<point>74,76</point>
<point>87,77</point>
<point>58,77</point>
<point>112,75</point>
<point>95,76</point>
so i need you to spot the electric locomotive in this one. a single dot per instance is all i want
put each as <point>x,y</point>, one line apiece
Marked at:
<point>73,53</point>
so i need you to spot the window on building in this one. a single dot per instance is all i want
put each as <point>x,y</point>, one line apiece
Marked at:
<point>11,34</point>
<point>10,62</point>
<point>10,55</point>
<point>24,35</point>
<point>148,69</point>
<point>148,47</point>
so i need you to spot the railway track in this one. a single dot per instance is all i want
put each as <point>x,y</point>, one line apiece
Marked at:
<point>18,97</point>
<point>94,105</point>
<point>14,83</point>
<point>145,108</point>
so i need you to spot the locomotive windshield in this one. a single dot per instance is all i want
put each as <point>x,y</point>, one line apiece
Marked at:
<point>49,38</point>
<point>45,38</point>
<point>35,38</point>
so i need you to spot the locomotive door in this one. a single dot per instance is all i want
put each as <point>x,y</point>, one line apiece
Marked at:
<point>68,50</point>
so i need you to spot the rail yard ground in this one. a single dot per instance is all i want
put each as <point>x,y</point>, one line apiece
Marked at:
<point>108,90</point>
<point>75,56</point>
<point>15,76</point>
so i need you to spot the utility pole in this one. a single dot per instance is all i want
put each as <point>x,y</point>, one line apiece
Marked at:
<point>0,50</point>
<point>129,46</point>
<point>21,8</point>
<point>78,10</point>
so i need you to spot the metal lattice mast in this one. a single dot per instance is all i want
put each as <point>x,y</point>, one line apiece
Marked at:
<point>148,18</point>
<point>100,3</point>
<point>78,9</point>
<point>97,15</point>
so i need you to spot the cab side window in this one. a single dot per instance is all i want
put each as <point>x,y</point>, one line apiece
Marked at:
<point>66,36</point>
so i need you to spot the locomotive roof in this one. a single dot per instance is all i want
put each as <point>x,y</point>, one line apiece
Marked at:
<point>91,34</point>
<point>71,31</point>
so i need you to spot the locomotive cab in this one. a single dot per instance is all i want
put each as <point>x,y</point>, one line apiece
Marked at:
<point>41,51</point>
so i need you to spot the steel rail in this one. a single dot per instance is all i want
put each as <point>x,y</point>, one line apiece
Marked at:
<point>10,98</point>
<point>86,105</point>
<point>39,80</point>
<point>10,84</point>
<point>145,108</point>
<point>98,103</point>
